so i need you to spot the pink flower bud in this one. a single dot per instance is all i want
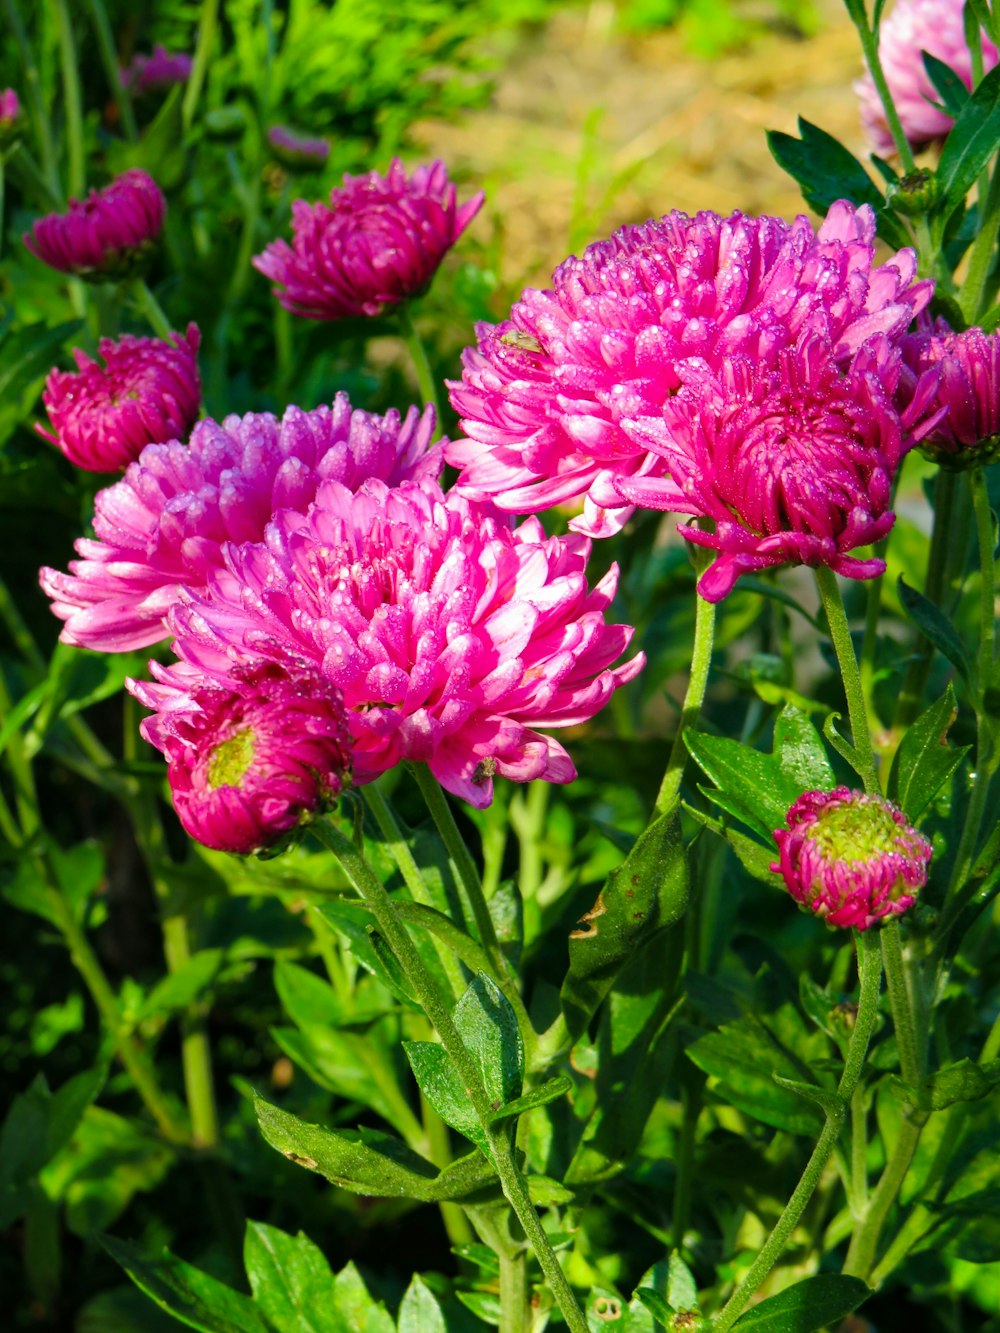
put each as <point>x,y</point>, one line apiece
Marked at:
<point>297,151</point>
<point>105,236</point>
<point>162,69</point>
<point>964,411</point>
<point>850,857</point>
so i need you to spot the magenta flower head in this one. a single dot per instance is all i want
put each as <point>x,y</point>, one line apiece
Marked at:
<point>379,242</point>
<point>794,464</point>
<point>915,26</point>
<point>851,858</point>
<point>548,398</point>
<point>967,393</point>
<point>162,526</point>
<point>297,152</point>
<point>147,392</point>
<point>250,758</point>
<point>162,69</point>
<point>105,236</point>
<point>451,635</point>
<point>10,117</point>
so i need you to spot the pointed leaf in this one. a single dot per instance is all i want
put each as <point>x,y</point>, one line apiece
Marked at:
<point>442,1085</point>
<point>930,619</point>
<point>488,1026</point>
<point>800,752</point>
<point>925,760</point>
<point>356,1307</point>
<point>807,1306</point>
<point>951,89</point>
<point>682,1290</point>
<point>420,1311</point>
<point>829,1101</point>
<point>970,144</point>
<point>291,1281</point>
<point>753,782</point>
<point>540,1096</point>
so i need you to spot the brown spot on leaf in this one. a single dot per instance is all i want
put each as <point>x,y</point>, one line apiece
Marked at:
<point>586,929</point>
<point>302,1161</point>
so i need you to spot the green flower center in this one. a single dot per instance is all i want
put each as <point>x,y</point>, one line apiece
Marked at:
<point>858,830</point>
<point>229,761</point>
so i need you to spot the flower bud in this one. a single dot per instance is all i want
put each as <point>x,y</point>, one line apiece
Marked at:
<point>297,152</point>
<point>106,236</point>
<point>851,857</point>
<point>914,193</point>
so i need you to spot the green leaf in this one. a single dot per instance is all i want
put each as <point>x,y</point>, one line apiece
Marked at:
<point>745,1060</point>
<point>160,151</point>
<point>356,1307</point>
<point>181,988</point>
<point>754,858</point>
<point>193,1297</point>
<point>420,1311</point>
<point>443,1087</point>
<point>307,999</point>
<point>366,1161</point>
<point>546,1092</point>
<point>291,1281</point>
<point>354,921</point>
<point>828,1100</point>
<point>970,144</point>
<point>655,1304</point>
<point>682,1290</point>
<point>755,784</point>
<point>800,752</point>
<point>806,1306</point>
<point>468,950</point>
<point>488,1027</point>
<point>964,1081</point>
<point>952,90</point>
<point>924,760</point>
<point>26,357</point>
<point>826,171</point>
<point>930,619</point>
<point>644,895</point>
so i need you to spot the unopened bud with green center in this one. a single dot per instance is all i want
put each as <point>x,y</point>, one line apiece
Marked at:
<point>850,857</point>
<point>914,193</point>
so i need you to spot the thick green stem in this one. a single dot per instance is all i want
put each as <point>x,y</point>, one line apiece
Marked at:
<point>73,101</point>
<point>515,1294</point>
<point>207,25</point>
<point>870,974</point>
<point>939,561</point>
<point>422,366</point>
<point>438,1011</point>
<point>902,1001</point>
<point>840,634</point>
<point>701,661</point>
<point>151,308</point>
<point>859,1151</point>
<point>864,1244</point>
<point>869,45</point>
<point>109,58</point>
<point>691,1102</point>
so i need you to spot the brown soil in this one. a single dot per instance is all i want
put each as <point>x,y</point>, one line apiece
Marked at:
<point>588,129</point>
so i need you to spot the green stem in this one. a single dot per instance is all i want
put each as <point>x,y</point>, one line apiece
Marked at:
<point>207,25</point>
<point>971,297</point>
<point>18,630</point>
<point>418,354</point>
<point>870,974</point>
<point>529,824</point>
<point>151,308</point>
<point>3,183</point>
<point>911,1057</point>
<point>412,878</point>
<point>701,661</point>
<point>109,57</point>
<point>859,1151</point>
<point>32,84</point>
<point>73,101</point>
<point>515,1294</point>
<point>691,1102</point>
<point>468,877</point>
<point>864,1244</point>
<point>840,634</point>
<point>438,1011</point>
<point>869,45</point>
<point>987,576</point>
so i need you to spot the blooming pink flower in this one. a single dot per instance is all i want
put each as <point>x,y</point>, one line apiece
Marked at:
<point>146,392</point>
<point>451,635</point>
<point>162,526</point>
<point>915,26</point>
<point>250,757</point>
<point>380,242</point>
<point>105,235</point>
<point>162,69</point>
<point>297,150</point>
<point>794,464</point>
<point>851,858</point>
<point>967,391</point>
<point>547,396</point>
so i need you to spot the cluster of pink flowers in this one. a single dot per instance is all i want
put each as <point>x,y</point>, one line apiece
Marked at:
<point>108,234</point>
<point>912,27</point>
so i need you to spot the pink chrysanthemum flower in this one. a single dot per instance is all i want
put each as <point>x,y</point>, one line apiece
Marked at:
<point>108,234</point>
<point>851,858</point>
<point>547,396</point>
<point>297,150</point>
<point>451,635</point>
<point>248,758</point>
<point>915,26</point>
<point>147,392</point>
<point>794,464</point>
<point>151,73</point>
<point>162,526</point>
<point>380,242</point>
<point>967,397</point>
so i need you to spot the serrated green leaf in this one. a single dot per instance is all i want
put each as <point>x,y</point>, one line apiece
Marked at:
<point>488,1027</point>
<point>645,894</point>
<point>931,620</point>
<point>754,783</point>
<point>195,1298</point>
<point>744,1061</point>
<point>807,1306</point>
<point>367,1161</point>
<point>924,760</point>
<point>420,1311</point>
<point>291,1281</point>
<point>540,1096</point>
